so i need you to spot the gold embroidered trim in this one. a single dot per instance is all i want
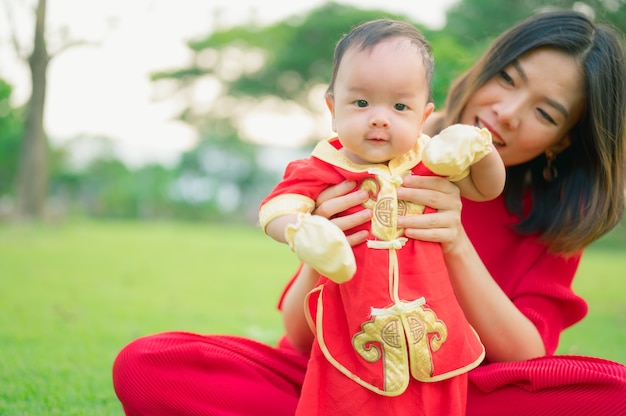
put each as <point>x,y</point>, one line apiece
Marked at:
<point>402,377</point>
<point>307,310</point>
<point>284,204</point>
<point>398,166</point>
<point>405,325</point>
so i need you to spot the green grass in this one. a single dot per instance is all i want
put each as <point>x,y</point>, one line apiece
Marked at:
<point>601,280</point>
<point>72,296</point>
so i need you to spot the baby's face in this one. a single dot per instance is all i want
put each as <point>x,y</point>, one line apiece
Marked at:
<point>380,101</point>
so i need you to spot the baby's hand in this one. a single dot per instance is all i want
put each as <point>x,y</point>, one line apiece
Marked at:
<point>455,149</point>
<point>323,246</point>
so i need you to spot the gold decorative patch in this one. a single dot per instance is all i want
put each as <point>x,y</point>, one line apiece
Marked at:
<point>399,335</point>
<point>383,202</point>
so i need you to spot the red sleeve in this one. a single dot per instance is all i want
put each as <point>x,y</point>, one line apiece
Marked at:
<point>545,296</point>
<point>537,282</point>
<point>307,177</point>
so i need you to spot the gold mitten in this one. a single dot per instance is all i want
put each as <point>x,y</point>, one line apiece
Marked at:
<point>455,149</point>
<point>323,246</point>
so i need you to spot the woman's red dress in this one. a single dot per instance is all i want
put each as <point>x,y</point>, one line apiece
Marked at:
<point>178,374</point>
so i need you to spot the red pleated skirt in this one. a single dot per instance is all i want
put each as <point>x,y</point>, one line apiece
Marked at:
<point>181,373</point>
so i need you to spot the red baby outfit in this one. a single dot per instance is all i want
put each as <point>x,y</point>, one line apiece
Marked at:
<point>387,338</point>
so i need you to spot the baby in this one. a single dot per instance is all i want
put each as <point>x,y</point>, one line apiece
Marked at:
<point>390,337</point>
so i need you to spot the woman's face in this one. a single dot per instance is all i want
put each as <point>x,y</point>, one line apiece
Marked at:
<point>530,106</point>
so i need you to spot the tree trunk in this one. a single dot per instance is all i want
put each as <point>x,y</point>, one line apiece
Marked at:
<point>33,169</point>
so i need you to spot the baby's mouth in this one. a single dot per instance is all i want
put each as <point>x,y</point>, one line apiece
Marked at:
<point>377,139</point>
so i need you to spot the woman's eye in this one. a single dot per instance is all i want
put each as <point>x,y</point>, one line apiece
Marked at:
<point>546,116</point>
<point>361,103</point>
<point>505,76</point>
<point>400,107</point>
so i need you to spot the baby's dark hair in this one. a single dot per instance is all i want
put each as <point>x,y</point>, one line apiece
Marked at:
<point>369,34</point>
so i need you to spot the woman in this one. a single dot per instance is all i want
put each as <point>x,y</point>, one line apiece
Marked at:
<point>552,91</point>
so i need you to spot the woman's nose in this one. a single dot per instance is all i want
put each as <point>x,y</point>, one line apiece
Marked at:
<point>508,112</point>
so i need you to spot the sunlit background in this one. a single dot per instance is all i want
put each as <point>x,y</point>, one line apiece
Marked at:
<point>190,110</point>
<point>103,89</point>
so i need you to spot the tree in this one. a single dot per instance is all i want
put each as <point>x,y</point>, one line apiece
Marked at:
<point>284,61</point>
<point>476,22</point>
<point>284,65</point>
<point>32,176</point>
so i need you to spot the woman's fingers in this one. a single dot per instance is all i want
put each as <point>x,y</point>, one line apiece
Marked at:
<point>443,226</point>
<point>357,238</point>
<point>335,191</point>
<point>432,191</point>
<point>337,199</point>
<point>340,198</point>
<point>440,227</point>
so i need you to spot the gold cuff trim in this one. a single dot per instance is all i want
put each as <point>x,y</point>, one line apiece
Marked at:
<point>284,204</point>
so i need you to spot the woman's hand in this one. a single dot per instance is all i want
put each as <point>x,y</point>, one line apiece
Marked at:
<point>443,226</point>
<point>508,335</point>
<point>339,198</point>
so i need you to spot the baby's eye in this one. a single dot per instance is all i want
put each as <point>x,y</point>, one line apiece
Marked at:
<point>361,103</point>
<point>400,107</point>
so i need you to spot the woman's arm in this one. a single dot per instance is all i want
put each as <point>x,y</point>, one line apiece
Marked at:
<point>508,335</point>
<point>330,202</point>
<point>297,328</point>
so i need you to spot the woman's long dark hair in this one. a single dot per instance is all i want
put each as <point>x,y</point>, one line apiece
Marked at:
<point>586,200</point>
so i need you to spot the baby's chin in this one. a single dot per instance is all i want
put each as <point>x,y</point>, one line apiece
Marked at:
<point>372,160</point>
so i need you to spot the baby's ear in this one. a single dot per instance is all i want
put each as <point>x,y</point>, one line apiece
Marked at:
<point>428,110</point>
<point>330,103</point>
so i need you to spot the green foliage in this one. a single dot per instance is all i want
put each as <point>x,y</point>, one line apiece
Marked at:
<point>470,22</point>
<point>451,59</point>
<point>297,51</point>
<point>612,12</point>
<point>10,133</point>
<point>600,281</point>
<point>477,22</point>
<point>106,188</point>
<point>73,296</point>
<point>220,178</point>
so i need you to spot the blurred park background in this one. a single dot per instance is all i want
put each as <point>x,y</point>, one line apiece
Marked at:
<point>98,247</point>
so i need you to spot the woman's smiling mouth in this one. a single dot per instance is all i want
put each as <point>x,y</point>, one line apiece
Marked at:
<point>495,137</point>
